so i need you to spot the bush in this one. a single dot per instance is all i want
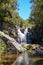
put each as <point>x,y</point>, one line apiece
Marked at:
<point>2,47</point>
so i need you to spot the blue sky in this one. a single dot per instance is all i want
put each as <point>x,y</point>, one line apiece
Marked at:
<point>25,10</point>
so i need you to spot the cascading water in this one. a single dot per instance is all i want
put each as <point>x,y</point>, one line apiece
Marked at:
<point>22,36</point>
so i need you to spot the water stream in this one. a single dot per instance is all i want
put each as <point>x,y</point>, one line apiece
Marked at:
<point>23,59</point>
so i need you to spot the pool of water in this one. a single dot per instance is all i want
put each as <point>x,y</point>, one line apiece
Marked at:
<point>21,59</point>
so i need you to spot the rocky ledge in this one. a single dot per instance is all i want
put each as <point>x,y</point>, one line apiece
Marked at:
<point>34,49</point>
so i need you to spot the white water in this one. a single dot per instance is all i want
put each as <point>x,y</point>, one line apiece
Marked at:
<point>22,36</point>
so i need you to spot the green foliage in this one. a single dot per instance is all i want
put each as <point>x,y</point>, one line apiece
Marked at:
<point>37,11</point>
<point>7,11</point>
<point>27,47</point>
<point>2,46</point>
<point>27,24</point>
<point>37,17</point>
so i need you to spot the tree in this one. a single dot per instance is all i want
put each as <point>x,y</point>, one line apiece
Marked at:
<point>37,17</point>
<point>7,9</point>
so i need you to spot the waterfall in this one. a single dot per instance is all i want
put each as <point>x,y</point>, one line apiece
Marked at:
<point>25,32</point>
<point>22,36</point>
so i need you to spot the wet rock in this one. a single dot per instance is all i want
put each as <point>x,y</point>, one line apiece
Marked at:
<point>35,46</point>
<point>34,50</point>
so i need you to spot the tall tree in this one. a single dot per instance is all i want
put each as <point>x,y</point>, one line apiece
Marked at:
<point>37,17</point>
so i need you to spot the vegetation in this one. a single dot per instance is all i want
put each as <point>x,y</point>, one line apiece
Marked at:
<point>8,15</point>
<point>28,47</point>
<point>2,48</point>
<point>36,17</point>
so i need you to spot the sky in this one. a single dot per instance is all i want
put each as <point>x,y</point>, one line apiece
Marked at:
<point>24,8</point>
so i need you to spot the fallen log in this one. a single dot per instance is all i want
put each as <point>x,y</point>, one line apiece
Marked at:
<point>13,41</point>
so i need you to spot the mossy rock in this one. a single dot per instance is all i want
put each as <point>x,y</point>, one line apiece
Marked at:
<point>27,47</point>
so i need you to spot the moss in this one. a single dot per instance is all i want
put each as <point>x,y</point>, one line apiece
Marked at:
<point>28,47</point>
